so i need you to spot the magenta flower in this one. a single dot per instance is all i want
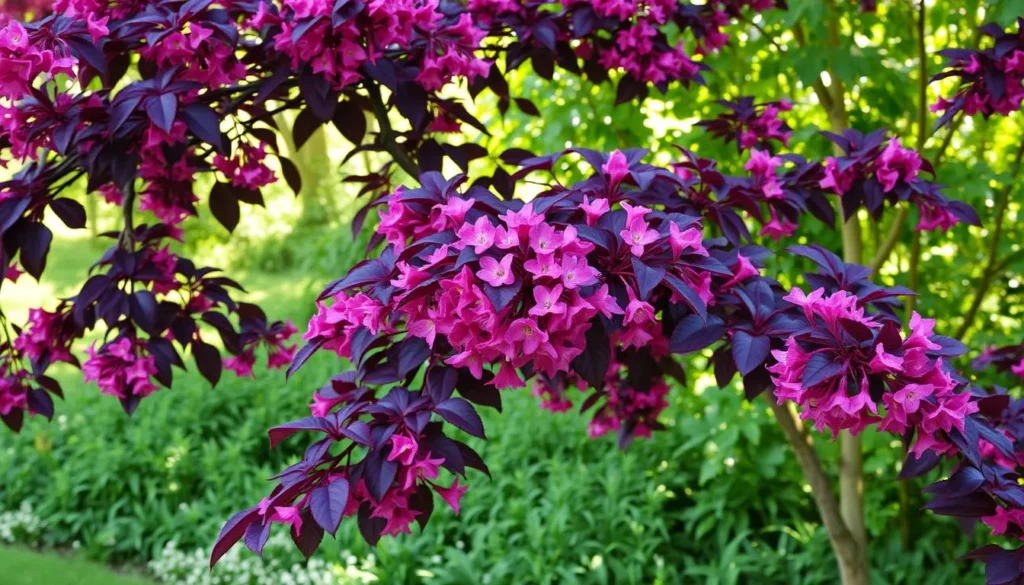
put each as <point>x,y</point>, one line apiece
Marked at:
<point>547,300</point>
<point>452,495</point>
<point>526,332</point>
<point>544,239</point>
<point>496,273</point>
<point>544,266</point>
<point>604,302</point>
<point>638,311</point>
<point>479,235</point>
<point>576,273</point>
<point>455,209</point>
<point>506,239</point>
<point>637,236</point>
<point>595,209</point>
<point>616,168</point>
<point>691,239</point>
<point>403,449</point>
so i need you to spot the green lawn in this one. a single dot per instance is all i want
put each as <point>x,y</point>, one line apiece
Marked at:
<point>25,567</point>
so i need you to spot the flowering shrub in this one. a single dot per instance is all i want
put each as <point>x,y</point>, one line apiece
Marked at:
<point>991,79</point>
<point>468,289</point>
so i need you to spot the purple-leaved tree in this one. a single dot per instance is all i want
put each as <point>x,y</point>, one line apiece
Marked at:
<point>589,287</point>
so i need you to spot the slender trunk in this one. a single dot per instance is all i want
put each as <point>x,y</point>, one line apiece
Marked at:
<point>850,555</point>
<point>849,542</point>
<point>851,463</point>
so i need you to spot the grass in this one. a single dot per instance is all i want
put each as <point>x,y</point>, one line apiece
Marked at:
<point>25,567</point>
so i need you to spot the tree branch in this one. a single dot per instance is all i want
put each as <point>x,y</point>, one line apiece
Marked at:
<point>992,263</point>
<point>387,134</point>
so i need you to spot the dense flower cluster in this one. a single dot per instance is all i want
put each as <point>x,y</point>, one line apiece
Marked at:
<point>840,387</point>
<point>121,368</point>
<point>991,80</point>
<point>638,50</point>
<point>787,186</point>
<point>750,124</point>
<point>875,169</point>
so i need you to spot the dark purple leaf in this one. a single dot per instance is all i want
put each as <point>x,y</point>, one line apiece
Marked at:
<point>256,536</point>
<point>282,432</point>
<point>371,528</point>
<point>378,474</point>
<point>208,361</point>
<point>162,110</point>
<point>232,531</point>
<point>303,355</point>
<point>820,367</point>
<point>693,334</point>
<point>647,277</point>
<point>144,310</point>
<point>291,174</point>
<point>327,503</point>
<point>749,351</point>
<point>34,240</point>
<point>309,539</point>
<point>204,123</point>
<point>224,206</point>
<point>592,364</point>
<point>461,414</point>
<point>69,211</point>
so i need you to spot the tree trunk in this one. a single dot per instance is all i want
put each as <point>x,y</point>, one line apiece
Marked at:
<point>851,463</point>
<point>850,554</point>
<point>313,162</point>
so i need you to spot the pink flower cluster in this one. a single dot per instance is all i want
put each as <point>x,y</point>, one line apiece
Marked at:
<point>624,406</point>
<point>279,353</point>
<point>416,466</point>
<point>767,126</point>
<point>547,328</point>
<point>763,167</point>
<point>204,56</point>
<point>168,192</point>
<point>896,164</point>
<point>100,8</point>
<point>23,9</point>
<point>45,337</point>
<point>23,59</point>
<point>751,124</point>
<point>158,270</point>
<point>992,82</point>
<point>637,49</point>
<point>400,221</point>
<point>338,322</point>
<point>246,169</point>
<point>13,389</point>
<point>121,368</point>
<point>338,51</point>
<point>838,386</point>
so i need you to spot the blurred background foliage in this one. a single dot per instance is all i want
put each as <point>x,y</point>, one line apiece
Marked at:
<point>717,498</point>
